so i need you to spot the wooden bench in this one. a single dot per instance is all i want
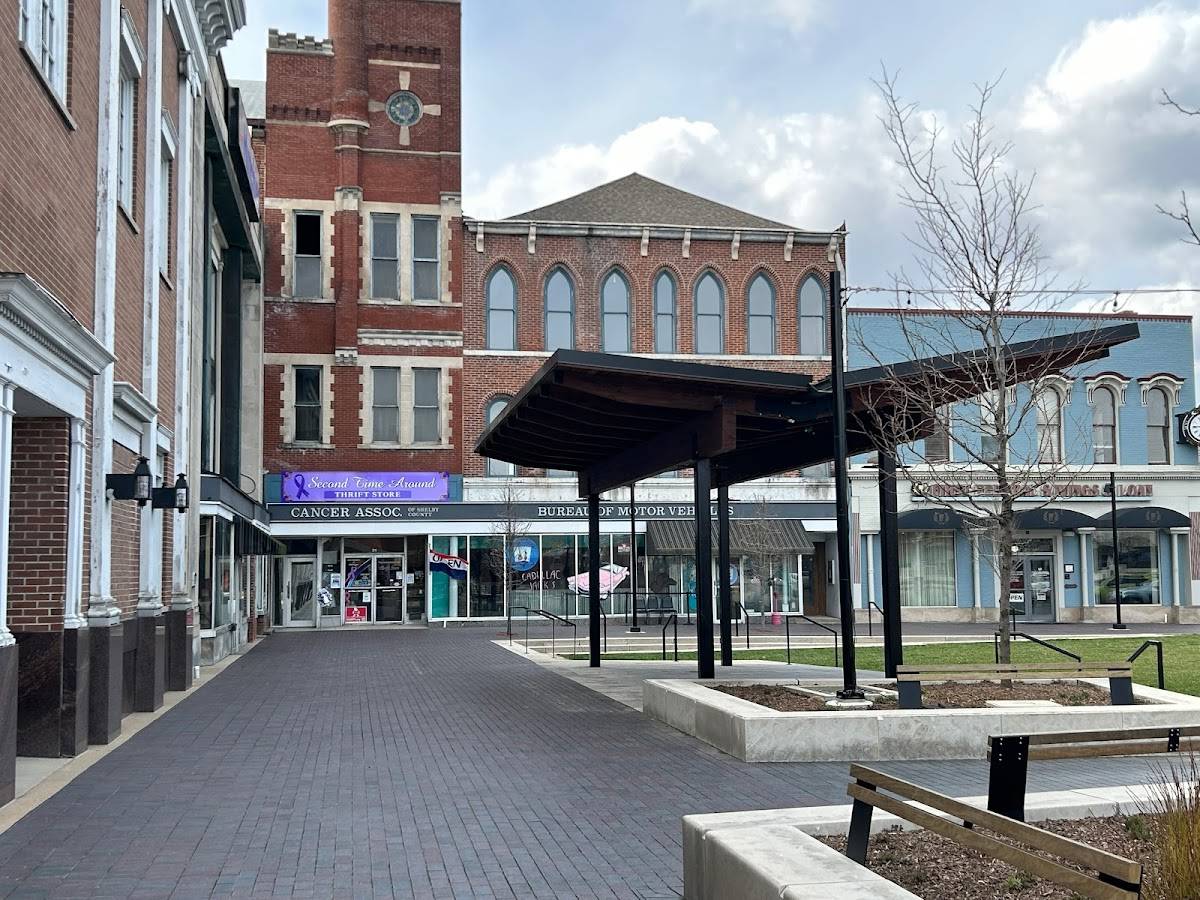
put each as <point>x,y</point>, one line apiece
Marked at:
<point>1119,675</point>
<point>1009,755</point>
<point>1117,878</point>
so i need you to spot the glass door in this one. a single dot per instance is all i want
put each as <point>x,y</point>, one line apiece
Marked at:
<point>359,582</point>
<point>389,588</point>
<point>1039,588</point>
<point>299,606</point>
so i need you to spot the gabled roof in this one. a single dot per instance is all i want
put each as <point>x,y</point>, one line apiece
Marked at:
<point>638,200</point>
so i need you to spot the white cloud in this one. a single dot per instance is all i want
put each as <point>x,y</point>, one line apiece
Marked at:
<point>795,15</point>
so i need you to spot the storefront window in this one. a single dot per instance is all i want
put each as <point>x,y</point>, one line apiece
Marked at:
<point>207,524</point>
<point>330,593</point>
<point>447,595</point>
<point>1140,578</point>
<point>524,572</point>
<point>486,576</point>
<point>558,565</point>
<point>927,568</point>
<point>223,547</point>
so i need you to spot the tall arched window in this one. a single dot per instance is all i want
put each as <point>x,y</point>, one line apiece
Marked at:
<point>1104,425</point>
<point>560,311</point>
<point>1049,425</point>
<point>1158,427</point>
<point>664,313</point>
<point>709,301</point>
<point>496,466</point>
<point>760,316</point>
<point>501,296</point>
<point>810,319</point>
<point>615,334</point>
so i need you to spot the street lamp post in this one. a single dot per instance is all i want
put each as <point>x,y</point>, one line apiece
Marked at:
<point>1112,493</point>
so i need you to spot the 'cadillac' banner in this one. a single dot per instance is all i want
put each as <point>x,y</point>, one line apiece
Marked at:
<point>365,487</point>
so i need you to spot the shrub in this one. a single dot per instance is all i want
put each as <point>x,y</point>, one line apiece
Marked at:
<point>1174,804</point>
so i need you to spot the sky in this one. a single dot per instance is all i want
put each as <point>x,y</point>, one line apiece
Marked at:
<point>769,106</point>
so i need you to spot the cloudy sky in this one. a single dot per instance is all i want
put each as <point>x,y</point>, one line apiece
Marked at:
<point>768,105</point>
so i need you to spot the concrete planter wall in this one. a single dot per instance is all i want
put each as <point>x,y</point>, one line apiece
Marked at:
<point>754,733</point>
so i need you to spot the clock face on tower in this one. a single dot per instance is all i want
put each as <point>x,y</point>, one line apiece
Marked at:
<point>1191,427</point>
<point>404,108</point>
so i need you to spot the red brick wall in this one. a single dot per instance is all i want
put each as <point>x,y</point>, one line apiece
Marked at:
<point>126,531</point>
<point>37,533</point>
<point>48,197</point>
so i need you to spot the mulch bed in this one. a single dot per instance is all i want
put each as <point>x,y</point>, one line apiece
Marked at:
<point>936,868</point>
<point>947,695</point>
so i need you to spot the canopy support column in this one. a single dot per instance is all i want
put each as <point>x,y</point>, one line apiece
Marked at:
<point>704,597</point>
<point>593,508</point>
<point>724,601</point>
<point>633,557</point>
<point>889,551</point>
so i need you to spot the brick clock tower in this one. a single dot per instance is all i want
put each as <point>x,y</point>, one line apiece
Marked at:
<point>363,225</point>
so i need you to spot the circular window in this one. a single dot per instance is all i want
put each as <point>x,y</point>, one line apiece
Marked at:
<point>404,108</point>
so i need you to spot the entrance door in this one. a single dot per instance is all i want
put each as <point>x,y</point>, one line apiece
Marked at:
<point>1031,588</point>
<point>389,589</point>
<point>359,594</point>
<point>299,600</point>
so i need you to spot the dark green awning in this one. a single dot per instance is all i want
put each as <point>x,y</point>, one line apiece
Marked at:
<point>746,537</point>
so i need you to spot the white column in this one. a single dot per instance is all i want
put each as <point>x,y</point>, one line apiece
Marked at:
<point>1087,589</point>
<point>1176,575</point>
<point>976,587</point>
<point>6,420</point>
<point>77,477</point>
<point>101,609</point>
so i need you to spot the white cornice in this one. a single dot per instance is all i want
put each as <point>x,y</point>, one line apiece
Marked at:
<point>637,230</point>
<point>388,337</point>
<point>131,405</point>
<point>219,19</point>
<point>34,317</point>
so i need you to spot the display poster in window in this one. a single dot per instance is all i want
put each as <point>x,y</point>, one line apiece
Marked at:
<point>356,614</point>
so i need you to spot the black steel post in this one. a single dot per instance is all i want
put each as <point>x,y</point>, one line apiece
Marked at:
<point>593,506</point>
<point>850,689</point>
<point>704,598</point>
<point>724,600</point>
<point>889,564</point>
<point>1112,490</point>
<point>633,573</point>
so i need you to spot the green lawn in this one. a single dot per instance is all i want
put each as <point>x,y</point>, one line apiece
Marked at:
<point>1181,656</point>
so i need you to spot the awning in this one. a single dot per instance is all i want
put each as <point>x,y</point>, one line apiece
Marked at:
<point>929,519</point>
<point>746,537</point>
<point>1053,519</point>
<point>1145,517</point>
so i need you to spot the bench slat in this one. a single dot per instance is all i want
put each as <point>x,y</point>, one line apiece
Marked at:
<point>1124,748</point>
<point>1117,734</point>
<point>989,675</point>
<point>1039,866</point>
<point>1100,860</point>
<point>1012,667</point>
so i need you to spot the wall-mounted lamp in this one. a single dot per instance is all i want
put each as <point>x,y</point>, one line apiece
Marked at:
<point>131,487</point>
<point>175,497</point>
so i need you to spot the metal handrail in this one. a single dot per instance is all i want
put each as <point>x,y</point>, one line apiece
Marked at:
<point>604,632</point>
<point>553,619</point>
<point>510,633</point>
<point>1036,640</point>
<point>1157,645</point>
<point>871,633</point>
<point>787,630</point>
<point>673,619</point>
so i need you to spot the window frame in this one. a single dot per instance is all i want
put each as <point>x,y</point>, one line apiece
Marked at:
<point>620,275</point>
<point>396,374</point>
<point>166,177</point>
<point>490,465</point>
<point>1165,427</point>
<point>1059,401</point>
<point>436,407</point>
<point>672,314</point>
<point>394,219</point>
<point>1111,394</point>
<point>488,308</point>
<point>802,317</point>
<point>318,405</point>
<point>297,255</point>
<point>751,315</point>
<point>697,315</point>
<point>436,259</point>
<point>547,312</point>
<point>48,56</point>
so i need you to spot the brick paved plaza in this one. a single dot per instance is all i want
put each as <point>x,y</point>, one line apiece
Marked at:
<point>411,764</point>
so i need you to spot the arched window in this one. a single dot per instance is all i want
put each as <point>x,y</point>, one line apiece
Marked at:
<point>760,316</point>
<point>1104,425</point>
<point>709,300</point>
<point>1049,425</point>
<point>560,311</point>
<point>1158,427</point>
<point>496,466</point>
<point>664,313</point>
<point>810,319</point>
<point>501,294</point>
<point>614,314</point>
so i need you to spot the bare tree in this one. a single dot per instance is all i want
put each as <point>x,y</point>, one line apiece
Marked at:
<point>1182,214</point>
<point>510,524</point>
<point>981,284</point>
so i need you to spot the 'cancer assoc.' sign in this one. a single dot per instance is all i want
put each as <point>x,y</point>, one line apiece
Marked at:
<point>365,487</point>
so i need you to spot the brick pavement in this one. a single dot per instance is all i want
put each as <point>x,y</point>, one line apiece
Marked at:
<point>410,764</point>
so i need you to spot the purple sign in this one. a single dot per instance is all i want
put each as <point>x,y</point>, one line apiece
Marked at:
<point>365,487</point>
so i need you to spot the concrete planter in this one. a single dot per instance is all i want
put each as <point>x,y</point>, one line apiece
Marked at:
<point>754,733</point>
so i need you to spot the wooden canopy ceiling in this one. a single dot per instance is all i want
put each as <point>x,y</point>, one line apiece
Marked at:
<point>617,419</point>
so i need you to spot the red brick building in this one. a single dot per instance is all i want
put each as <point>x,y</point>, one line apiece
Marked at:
<point>395,328</point>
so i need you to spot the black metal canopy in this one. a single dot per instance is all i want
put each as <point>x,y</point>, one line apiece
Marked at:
<point>617,419</point>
